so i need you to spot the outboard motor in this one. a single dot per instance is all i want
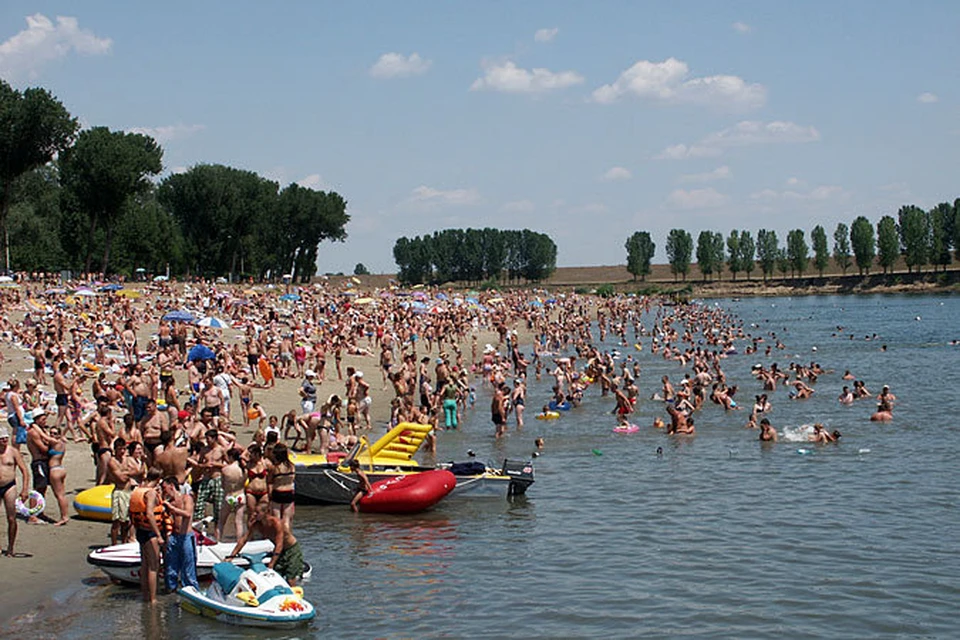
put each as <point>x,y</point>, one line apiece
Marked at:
<point>521,476</point>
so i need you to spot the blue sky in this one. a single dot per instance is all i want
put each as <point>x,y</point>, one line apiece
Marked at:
<point>583,120</point>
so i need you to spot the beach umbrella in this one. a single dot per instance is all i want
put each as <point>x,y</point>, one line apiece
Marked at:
<point>289,297</point>
<point>201,352</point>
<point>160,278</point>
<point>363,301</point>
<point>355,279</point>
<point>6,279</point>
<point>419,295</point>
<point>213,323</point>
<point>132,294</point>
<point>111,287</point>
<point>179,316</point>
<point>473,301</point>
<point>536,303</point>
<point>441,296</point>
<point>85,292</point>
<point>55,291</point>
<point>386,294</point>
<point>495,300</point>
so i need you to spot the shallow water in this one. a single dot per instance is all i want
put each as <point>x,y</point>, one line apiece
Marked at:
<point>717,536</point>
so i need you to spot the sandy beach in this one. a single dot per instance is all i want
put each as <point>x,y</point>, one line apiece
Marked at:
<point>52,564</point>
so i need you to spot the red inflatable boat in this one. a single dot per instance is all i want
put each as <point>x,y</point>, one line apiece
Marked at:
<point>410,493</point>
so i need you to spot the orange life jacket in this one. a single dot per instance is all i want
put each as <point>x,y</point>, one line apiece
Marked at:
<point>138,512</point>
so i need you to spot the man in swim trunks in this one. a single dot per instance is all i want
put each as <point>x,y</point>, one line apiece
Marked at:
<point>119,477</point>
<point>38,443</point>
<point>767,432</point>
<point>104,434</point>
<point>208,465</point>
<point>10,461</point>
<point>61,387</point>
<point>287,557</point>
<point>180,554</point>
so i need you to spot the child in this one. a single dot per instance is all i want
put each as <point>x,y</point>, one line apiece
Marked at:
<point>364,486</point>
<point>352,409</point>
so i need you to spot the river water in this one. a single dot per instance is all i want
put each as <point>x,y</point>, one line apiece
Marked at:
<point>715,536</point>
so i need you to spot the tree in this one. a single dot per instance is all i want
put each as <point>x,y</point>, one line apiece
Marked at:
<point>941,232</point>
<point>821,252</point>
<point>914,236</point>
<point>101,171</point>
<point>956,228</point>
<point>733,252</point>
<point>767,247</point>
<point>679,252</point>
<point>783,262</point>
<point>640,250</point>
<point>361,270</point>
<point>888,244</point>
<point>861,239</point>
<point>748,251</point>
<point>34,127</point>
<point>797,251</point>
<point>841,247</point>
<point>34,221</point>
<point>706,256</point>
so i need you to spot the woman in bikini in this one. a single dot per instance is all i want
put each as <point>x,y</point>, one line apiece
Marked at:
<point>281,478</point>
<point>58,473</point>
<point>258,493</point>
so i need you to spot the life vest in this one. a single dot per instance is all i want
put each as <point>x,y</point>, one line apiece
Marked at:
<point>138,512</point>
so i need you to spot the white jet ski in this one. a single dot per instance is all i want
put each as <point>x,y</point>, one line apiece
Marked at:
<point>255,597</point>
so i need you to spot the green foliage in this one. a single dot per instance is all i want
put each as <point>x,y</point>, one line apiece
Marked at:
<point>361,270</point>
<point>821,253</point>
<point>473,254</point>
<point>914,236</point>
<point>34,127</point>
<point>783,262</point>
<point>841,247</point>
<point>888,244</point>
<point>35,220</point>
<point>679,252</point>
<point>941,232</point>
<point>767,248</point>
<point>797,251</point>
<point>101,172</point>
<point>748,251</point>
<point>861,239</point>
<point>734,258</point>
<point>640,251</point>
<point>606,291</point>
<point>710,253</point>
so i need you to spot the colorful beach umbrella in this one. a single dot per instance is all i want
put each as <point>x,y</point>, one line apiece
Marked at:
<point>289,297</point>
<point>201,352</point>
<point>179,316</point>
<point>213,323</point>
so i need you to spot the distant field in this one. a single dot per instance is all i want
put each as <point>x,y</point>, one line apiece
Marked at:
<point>618,276</point>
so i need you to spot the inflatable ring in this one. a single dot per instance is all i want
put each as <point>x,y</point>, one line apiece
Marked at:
<point>39,504</point>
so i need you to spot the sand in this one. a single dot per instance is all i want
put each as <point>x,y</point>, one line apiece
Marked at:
<point>53,566</point>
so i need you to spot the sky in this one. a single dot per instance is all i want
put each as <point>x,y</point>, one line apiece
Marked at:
<point>586,121</point>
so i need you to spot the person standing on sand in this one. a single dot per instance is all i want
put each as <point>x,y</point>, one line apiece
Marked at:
<point>10,461</point>
<point>119,477</point>
<point>38,444</point>
<point>180,553</point>
<point>146,513</point>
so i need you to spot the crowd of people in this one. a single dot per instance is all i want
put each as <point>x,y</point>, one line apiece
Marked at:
<point>183,418</point>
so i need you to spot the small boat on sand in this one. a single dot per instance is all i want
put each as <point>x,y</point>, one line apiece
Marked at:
<point>410,493</point>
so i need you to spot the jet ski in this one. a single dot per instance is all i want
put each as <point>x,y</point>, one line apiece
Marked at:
<point>255,597</point>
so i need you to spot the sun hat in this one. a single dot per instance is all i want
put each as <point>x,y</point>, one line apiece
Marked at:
<point>4,433</point>
<point>310,373</point>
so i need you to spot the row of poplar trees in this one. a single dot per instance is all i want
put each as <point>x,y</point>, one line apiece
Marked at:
<point>918,237</point>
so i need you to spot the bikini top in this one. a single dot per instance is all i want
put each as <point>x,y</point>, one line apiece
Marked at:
<point>54,452</point>
<point>256,474</point>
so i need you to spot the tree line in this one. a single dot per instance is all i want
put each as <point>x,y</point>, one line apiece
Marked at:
<point>88,200</point>
<point>919,237</point>
<point>475,255</point>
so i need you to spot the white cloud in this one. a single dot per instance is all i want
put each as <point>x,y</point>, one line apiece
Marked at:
<point>817,194</point>
<point>24,53</point>
<point>720,173</point>
<point>742,134</point>
<point>165,134</point>
<point>669,82</point>
<point>429,197</point>
<point>590,208</point>
<point>510,78</point>
<point>313,181</point>
<point>795,182</point>
<point>741,27</point>
<point>518,206</point>
<point>616,173</point>
<point>708,198</point>
<point>682,152</point>
<point>179,169</point>
<point>396,65</point>
<point>928,98</point>
<point>546,35</point>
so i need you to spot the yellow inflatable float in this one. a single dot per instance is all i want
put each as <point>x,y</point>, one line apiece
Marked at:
<point>94,503</point>
<point>548,415</point>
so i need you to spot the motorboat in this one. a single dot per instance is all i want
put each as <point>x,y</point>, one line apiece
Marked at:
<point>253,597</point>
<point>121,562</point>
<point>391,456</point>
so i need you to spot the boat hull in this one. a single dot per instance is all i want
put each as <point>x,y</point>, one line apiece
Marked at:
<point>409,493</point>
<point>196,601</point>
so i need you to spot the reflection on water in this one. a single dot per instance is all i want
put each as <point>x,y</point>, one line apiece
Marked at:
<point>714,535</point>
